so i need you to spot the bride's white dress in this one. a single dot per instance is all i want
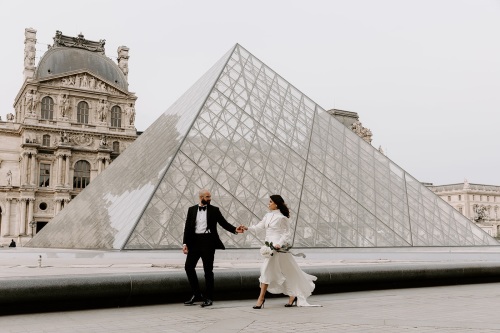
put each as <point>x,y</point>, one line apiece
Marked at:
<point>281,271</point>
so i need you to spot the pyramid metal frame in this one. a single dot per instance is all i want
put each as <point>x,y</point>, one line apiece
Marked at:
<point>245,133</point>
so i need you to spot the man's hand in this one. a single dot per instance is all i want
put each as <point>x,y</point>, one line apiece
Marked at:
<point>184,249</point>
<point>240,229</point>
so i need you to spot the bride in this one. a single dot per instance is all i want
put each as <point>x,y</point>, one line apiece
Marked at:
<point>279,273</point>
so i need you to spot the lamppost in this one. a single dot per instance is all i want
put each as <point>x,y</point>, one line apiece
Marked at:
<point>32,225</point>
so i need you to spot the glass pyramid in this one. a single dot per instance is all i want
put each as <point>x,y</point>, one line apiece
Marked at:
<point>245,133</point>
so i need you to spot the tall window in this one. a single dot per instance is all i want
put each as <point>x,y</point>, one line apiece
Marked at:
<point>449,198</point>
<point>460,197</point>
<point>44,175</point>
<point>82,113</point>
<point>461,210</point>
<point>46,140</point>
<point>116,116</point>
<point>116,146</point>
<point>47,108</point>
<point>81,177</point>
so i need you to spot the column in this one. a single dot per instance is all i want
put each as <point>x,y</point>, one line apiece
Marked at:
<point>467,205</point>
<point>66,180</point>
<point>6,218</point>
<point>33,168</point>
<point>30,209</point>
<point>106,163</point>
<point>24,175</point>
<point>22,217</point>
<point>59,170</point>
<point>99,165</point>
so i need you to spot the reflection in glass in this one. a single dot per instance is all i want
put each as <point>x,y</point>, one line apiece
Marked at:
<point>245,133</point>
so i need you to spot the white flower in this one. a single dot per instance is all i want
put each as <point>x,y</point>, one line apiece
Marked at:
<point>266,251</point>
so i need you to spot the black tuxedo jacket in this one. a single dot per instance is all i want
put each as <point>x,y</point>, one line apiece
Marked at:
<point>214,216</point>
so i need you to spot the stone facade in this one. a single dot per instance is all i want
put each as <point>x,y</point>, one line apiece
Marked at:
<point>73,115</point>
<point>479,203</point>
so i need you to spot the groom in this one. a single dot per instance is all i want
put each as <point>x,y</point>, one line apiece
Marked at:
<point>200,241</point>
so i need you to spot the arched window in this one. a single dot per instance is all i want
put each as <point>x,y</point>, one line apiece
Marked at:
<point>81,177</point>
<point>116,116</point>
<point>47,108</point>
<point>46,140</point>
<point>116,146</point>
<point>82,113</point>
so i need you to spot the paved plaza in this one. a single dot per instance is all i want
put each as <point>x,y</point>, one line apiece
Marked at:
<point>463,308</point>
<point>455,308</point>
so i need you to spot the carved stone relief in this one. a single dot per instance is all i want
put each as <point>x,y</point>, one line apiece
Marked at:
<point>85,81</point>
<point>82,139</point>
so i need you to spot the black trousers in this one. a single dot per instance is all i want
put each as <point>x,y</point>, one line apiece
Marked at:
<point>204,248</point>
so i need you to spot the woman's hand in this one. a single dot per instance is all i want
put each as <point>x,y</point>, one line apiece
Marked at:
<point>277,246</point>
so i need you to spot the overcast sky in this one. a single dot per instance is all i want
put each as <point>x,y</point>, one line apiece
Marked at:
<point>423,75</point>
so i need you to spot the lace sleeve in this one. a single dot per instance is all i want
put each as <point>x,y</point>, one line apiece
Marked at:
<point>286,232</point>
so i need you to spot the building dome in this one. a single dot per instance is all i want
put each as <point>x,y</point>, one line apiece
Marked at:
<point>60,60</point>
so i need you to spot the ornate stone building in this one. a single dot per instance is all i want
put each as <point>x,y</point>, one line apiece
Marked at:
<point>479,203</point>
<point>72,116</point>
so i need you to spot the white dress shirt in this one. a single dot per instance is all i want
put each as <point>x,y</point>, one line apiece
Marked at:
<point>201,221</point>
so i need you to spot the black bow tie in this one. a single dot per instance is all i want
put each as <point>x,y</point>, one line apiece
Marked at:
<point>202,208</point>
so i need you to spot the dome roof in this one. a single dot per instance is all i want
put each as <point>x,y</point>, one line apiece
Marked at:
<point>60,60</point>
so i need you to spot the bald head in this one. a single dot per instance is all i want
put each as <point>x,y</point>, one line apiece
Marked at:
<point>205,197</point>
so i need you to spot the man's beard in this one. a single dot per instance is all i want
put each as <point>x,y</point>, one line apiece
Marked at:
<point>205,202</point>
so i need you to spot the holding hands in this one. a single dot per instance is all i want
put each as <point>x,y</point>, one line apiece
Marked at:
<point>241,229</point>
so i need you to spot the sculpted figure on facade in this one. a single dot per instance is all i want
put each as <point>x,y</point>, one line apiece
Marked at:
<point>123,59</point>
<point>131,114</point>
<point>9,178</point>
<point>36,101</point>
<point>104,141</point>
<point>101,86</point>
<point>363,132</point>
<point>92,83</point>
<point>102,110</point>
<point>480,213</point>
<point>85,81</point>
<point>28,102</point>
<point>64,105</point>
<point>64,137</point>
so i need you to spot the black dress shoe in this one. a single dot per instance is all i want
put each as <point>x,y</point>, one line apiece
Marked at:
<point>193,299</point>
<point>206,302</point>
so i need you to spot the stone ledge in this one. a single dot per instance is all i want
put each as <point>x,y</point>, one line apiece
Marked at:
<point>71,292</point>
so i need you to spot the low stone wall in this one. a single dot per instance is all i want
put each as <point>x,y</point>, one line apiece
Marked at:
<point>70,292</point>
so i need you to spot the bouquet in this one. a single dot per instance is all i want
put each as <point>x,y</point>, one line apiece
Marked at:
<point>266,251</point>
<point>284,248</point>
<point>269,249</point>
